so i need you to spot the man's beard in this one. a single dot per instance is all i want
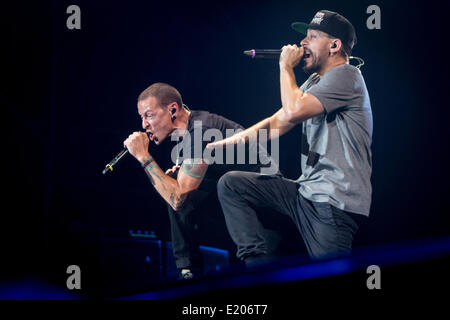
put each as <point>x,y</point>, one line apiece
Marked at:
<point>313,67</point>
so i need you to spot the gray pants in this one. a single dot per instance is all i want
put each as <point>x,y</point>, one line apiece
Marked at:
<point>326,230</point>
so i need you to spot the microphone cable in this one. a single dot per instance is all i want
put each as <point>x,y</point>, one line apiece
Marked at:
<point>360,61</point>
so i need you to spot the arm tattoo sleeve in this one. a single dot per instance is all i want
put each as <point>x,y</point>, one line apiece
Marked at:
<point>193,168</point>
<point>149,168</point>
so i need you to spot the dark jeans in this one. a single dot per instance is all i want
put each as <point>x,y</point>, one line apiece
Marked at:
<point>183,225</point>
<point>326,230</point>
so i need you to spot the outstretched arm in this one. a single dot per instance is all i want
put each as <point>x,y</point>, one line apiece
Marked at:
<point>276,125</point>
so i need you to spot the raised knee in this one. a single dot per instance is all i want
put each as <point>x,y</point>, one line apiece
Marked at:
<point>226,181</point>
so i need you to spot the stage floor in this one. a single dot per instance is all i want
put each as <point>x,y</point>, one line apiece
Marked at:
<point>415,268</point>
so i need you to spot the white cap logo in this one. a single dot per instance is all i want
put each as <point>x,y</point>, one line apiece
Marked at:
<point>318,18</point>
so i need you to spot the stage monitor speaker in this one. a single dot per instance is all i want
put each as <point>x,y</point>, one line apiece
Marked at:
<point>129,265</point>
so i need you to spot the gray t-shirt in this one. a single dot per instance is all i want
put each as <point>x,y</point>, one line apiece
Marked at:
<point>336,157</point>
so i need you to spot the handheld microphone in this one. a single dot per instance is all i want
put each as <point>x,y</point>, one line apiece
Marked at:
<point>263,53</point>
<point>275,54</point>
<point>109,166</point>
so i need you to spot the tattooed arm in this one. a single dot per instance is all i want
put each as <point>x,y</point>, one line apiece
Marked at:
<point>174,191</point>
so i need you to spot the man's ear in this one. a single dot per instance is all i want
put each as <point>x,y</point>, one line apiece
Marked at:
<point>173,107</point>
<point>335,46</point>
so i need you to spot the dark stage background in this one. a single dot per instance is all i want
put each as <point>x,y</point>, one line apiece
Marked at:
<point>69,100</point>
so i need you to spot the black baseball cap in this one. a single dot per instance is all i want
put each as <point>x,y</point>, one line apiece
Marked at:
<point>332,23</point>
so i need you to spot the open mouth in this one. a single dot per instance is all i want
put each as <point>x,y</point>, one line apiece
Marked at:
<point>307,55</point>
<point>151,136</point>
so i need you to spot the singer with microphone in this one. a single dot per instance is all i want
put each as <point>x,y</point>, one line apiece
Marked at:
<point>333,194</point>
<point>188,184</point>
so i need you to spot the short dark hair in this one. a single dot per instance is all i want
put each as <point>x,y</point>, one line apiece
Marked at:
<point>164,93</point>
<point>346,50</point>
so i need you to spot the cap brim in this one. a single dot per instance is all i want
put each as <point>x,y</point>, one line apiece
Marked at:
<point>300,27</point>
